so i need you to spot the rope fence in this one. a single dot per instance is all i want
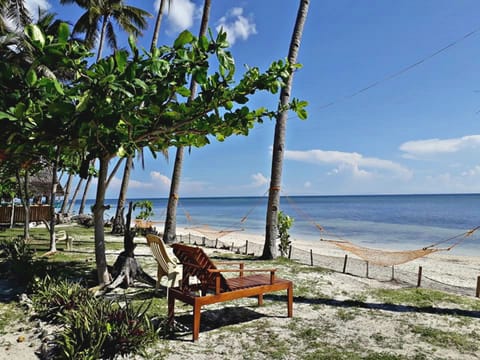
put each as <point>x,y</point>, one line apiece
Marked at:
<point>347,265</point>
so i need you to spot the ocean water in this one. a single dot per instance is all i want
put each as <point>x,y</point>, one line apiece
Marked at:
<point>396,222</point>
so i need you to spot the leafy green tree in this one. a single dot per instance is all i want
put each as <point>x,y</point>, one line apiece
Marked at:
<point>33,106</point>
<point>271,228</point>
<point>126,104</point>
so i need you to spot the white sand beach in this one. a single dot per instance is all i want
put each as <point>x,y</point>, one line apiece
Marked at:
<point>338,311</point>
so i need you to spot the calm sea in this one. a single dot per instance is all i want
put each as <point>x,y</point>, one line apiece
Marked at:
<point>381,221</point>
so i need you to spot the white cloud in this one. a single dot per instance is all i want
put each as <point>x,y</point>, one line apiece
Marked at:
<point>419,148</point>
<point>164,180</point>
<point>354,163</point>
<point>307,184</point>
<point>475,171</point>
<point>236,25</point>
<point>180,14</point>
<point>33,5</point>
<point>259,180</point>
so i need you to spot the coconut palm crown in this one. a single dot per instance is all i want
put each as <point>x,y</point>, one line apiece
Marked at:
<point>98,19</point>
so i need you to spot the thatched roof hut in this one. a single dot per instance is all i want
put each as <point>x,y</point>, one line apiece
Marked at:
<point>41,183</point>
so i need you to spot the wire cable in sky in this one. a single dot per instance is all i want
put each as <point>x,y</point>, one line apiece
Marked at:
<point>402,71</point>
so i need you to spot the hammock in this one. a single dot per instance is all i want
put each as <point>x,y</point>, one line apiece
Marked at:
<point>391,258</point>
<point>212,233</point>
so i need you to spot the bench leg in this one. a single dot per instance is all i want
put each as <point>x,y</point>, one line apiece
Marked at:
<point>196,320</point>
<point>290,301</point>
<point>260,300</point>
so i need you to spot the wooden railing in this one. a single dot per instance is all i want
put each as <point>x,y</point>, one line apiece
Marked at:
<point>37,213</point>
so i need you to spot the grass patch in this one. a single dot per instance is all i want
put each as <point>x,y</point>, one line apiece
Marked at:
<point>423,298</point>
<point>10,313</point>
<point>441,338</point>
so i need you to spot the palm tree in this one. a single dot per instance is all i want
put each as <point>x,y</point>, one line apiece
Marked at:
<point>15,13</point>
<point>103,12</point>
<point>170,230</point>
<point>271,233</point>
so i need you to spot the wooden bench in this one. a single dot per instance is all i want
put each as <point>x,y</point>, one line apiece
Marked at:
<point>215,288</point>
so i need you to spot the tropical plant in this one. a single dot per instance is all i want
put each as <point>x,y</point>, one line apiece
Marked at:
<point>284,224</point>
<point>271,228</point>
<point>53,298</point>
<point>146,209</point>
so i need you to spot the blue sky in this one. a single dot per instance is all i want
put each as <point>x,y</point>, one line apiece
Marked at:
<point>417,132</point>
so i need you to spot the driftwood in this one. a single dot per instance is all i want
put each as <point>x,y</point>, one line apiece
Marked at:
<point>126,269</point>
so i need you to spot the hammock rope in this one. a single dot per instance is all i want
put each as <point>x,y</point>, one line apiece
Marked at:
<point>206,230</point>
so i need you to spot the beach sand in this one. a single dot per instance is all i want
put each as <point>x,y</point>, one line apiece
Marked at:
<point>339,312</point>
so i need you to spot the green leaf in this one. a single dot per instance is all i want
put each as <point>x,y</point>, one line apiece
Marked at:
<point>132,42</point>
<point>83,103</point>
<point>63,33</point>
<point>58,87</point>
<point>203,43</point>
<point>35,34</point>
<point>121,58</point>
<point>302,114</point>
<point>183,91</point>
<point>200,75</point>
<point>4,115</point>
<point>31,77</point>
<point>229,105</point>
<point>184,38</point>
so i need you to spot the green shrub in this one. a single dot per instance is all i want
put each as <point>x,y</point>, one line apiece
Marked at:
<point>51,299</point>
<point>93,327</point>
<point>19,259</point>
<point>285,222</point>
<point>104,329</point>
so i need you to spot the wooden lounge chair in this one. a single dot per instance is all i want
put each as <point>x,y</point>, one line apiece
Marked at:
<point>215,288</point>
<point>167,266</point>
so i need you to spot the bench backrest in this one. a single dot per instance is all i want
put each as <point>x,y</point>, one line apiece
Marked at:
<point>196,263</point>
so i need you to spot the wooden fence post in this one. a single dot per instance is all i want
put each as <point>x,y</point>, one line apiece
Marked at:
<point>345,264</point>
<point>393,272</point>
<point>419,281</point>
<point>216,243</point>
<point>367,269</point>
<point>478,287</point>
<point>311,257</point>
<point>246,247</point>
<point>290,252</point>
<point>189,238</point>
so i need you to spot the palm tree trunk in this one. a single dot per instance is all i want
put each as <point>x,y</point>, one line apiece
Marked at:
<point>74,197</point>
<point>99,226</point>
<point>158,21</point>
<point>84,197</point>
<point>118,226</point>
<point>271,227</point>
<point>102,38</point>
<point>68,187</point>
<point>114,171</point>
<point>53,191</point>
<point>170,230</point>
<point>25,200</point>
